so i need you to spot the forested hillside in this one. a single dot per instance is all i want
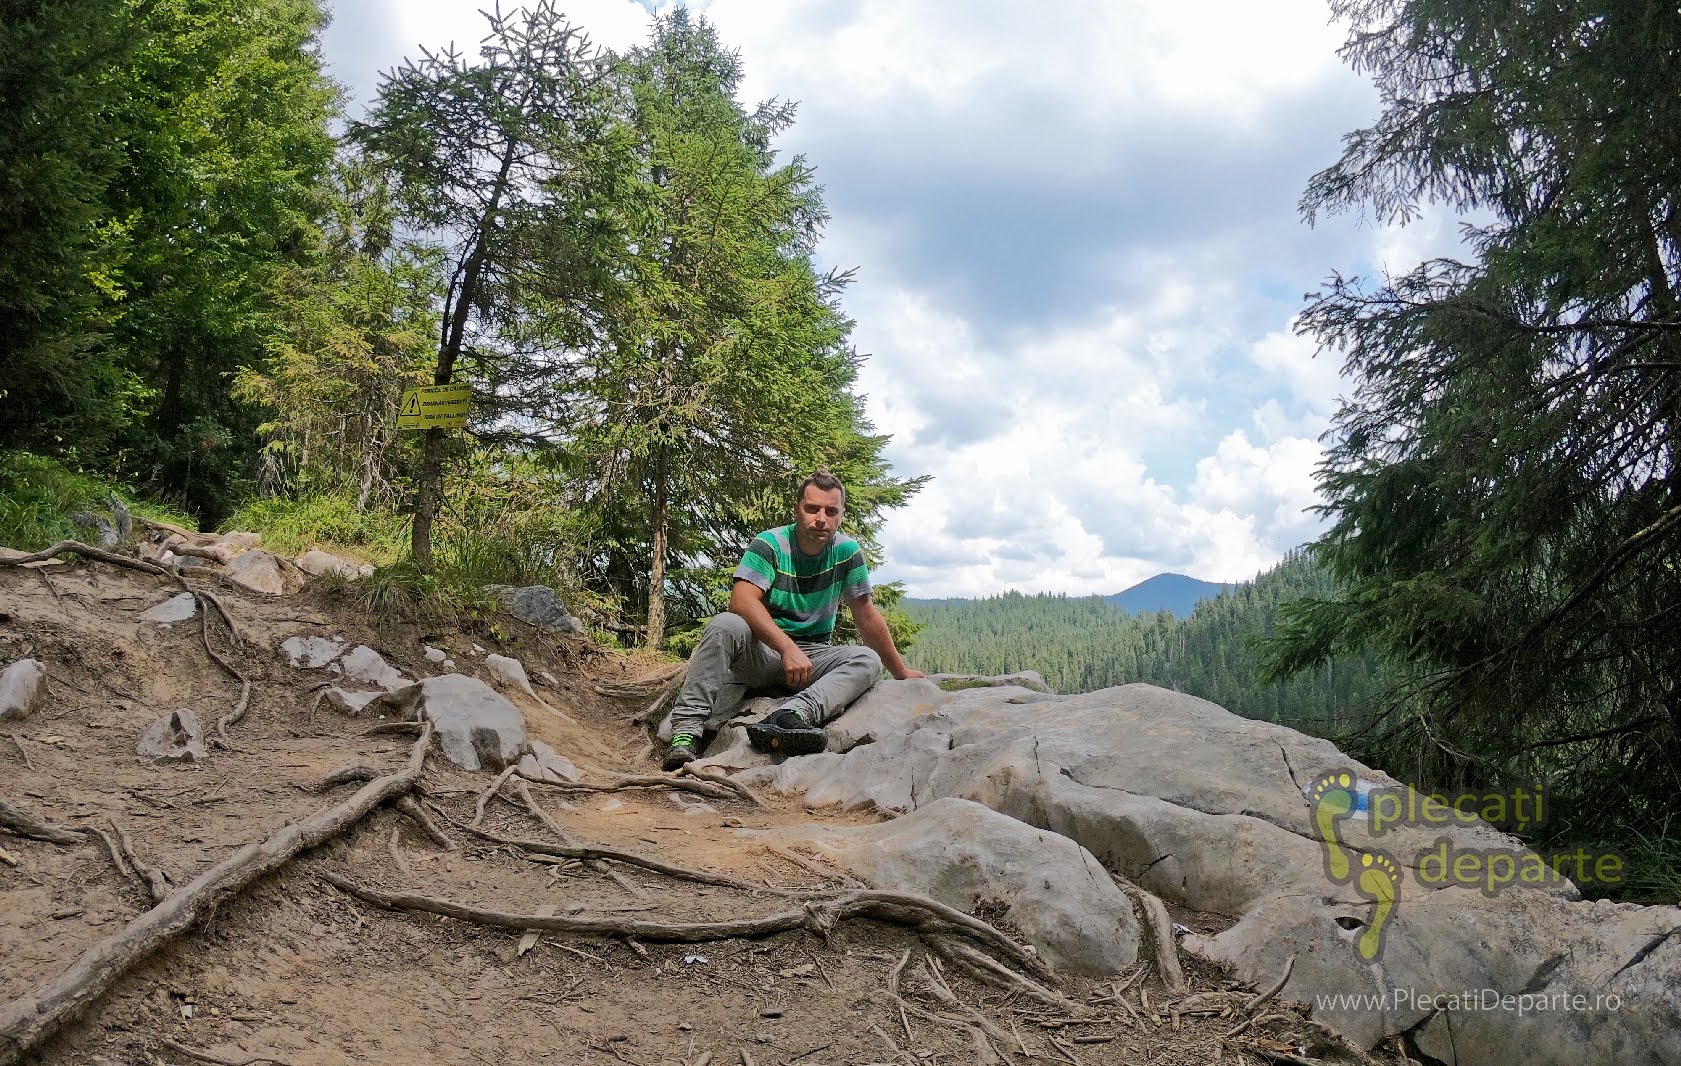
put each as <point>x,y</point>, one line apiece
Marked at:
<point>1083,643</point>
<point>213,300</point>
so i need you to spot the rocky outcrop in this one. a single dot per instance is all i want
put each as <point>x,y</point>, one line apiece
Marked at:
<point>968,856</point>
<point>1230,816</point>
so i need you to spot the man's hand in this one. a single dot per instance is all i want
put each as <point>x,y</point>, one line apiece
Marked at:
<point>796,667</point>
<point>873,631</point>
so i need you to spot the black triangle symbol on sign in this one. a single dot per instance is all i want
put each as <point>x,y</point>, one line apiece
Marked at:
<point>413,405</point>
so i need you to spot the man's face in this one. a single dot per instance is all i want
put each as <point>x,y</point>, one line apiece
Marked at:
<point>817,516</point>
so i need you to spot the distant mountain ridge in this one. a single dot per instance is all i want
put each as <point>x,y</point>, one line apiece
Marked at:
<point>1174,593</point>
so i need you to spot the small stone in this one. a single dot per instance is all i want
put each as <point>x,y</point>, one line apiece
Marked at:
<point>365,664</point>
<point>436,655</point>
<point>177,608</point>
<point>761,1038</point>
<point>22,687</point>
<point>310,653</point>
<point>176,737</point>
<point>509,673</point>
<point>684,1027</point>
<point>262,571</point>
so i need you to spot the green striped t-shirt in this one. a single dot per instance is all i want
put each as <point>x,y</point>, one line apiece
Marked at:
<point>803,591</point>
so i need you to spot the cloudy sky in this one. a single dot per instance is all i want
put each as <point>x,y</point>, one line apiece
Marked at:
<point>1078,253</point>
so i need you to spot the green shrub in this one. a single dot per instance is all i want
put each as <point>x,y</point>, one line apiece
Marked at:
<point>38,495</point>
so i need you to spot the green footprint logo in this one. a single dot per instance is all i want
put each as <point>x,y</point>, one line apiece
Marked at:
<point>1380,882</point>
<point>1332,800</point>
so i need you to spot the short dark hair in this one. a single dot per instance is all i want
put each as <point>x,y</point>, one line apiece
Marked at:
<point>823,480</point>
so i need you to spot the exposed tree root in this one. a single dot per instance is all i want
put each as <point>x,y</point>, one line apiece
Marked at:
<point>1261,1000</point>
<point>27,825</point>
<point>1161,934</point>
<point>411,809</point>
<point>205,602</point>
<point>157,882</point>
<point>344,775</point>
<point>689,770</point>
<point>73,547</point>
<point>8,858</point>
<point>205,1056</point>
<point>26,1022</point>
<point>558,830</point>
<point>986,966</point>
<point>819,916</point>
<point>806,864</point>
<point>699,788</point>
<point>491,790</point>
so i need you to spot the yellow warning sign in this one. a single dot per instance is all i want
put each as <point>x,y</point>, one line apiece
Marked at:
<point>435,407</point>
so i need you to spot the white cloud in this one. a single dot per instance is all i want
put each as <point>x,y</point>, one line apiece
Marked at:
<point>1127,169</point>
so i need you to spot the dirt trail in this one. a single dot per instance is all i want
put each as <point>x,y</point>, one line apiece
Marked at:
<point>295,971</point>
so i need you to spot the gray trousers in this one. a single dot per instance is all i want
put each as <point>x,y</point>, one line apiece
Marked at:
<point>729,661</point>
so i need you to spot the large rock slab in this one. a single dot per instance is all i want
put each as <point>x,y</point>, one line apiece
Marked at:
<point>478,729</point>
<point>263,571</point>
<point>23,685</point>
<point>964,854</point>
<point>1223,814</point>
<point>538,604</point>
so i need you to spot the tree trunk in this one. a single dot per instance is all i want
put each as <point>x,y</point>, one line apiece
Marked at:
<point>656,565</point>
<point>429,493</point>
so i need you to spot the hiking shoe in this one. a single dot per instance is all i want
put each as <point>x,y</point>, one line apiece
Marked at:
<point>685,748</point>
<point>786,733</point>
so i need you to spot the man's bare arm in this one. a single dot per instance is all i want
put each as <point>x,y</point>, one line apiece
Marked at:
<point>872,629</point>
<point>748,601</point>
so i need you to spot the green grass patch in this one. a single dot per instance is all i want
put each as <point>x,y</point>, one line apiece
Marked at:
<point>331,523</point>
<point>38,495</point>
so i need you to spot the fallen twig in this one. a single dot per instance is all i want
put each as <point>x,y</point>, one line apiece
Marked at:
<point>595,853</point>
<point>1261,1000</point>
<point>812,867</point>
<point>8,858</point>
<point>397,855</point>
<point>27,1021</point>
<point>17,742</point>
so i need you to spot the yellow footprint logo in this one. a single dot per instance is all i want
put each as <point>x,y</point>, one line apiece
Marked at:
<point>1332,800</point>
<point>1380,882</point>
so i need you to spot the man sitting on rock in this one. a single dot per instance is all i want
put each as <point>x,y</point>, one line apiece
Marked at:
<point>776,633</point>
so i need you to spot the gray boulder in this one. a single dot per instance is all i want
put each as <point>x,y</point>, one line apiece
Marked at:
<point>23,685</point>
<point>263,571</point>
<point>317,563</point>
<point>176,737</point>
<point>963,854</point>
<point>545,764</point>
<point>538,604</point>
<point>478,729</point>
<point>369,666</point>
<point>1222,814</point>
<point>178,608</point>
<point>509,673</point>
